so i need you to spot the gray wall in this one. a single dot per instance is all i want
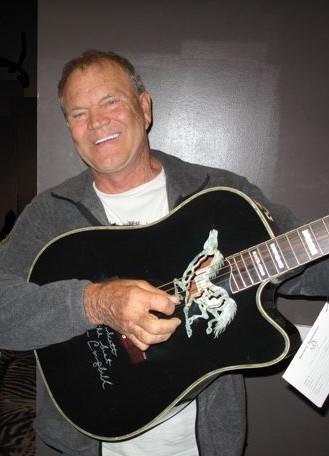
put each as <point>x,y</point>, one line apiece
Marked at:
<point>240,85</point>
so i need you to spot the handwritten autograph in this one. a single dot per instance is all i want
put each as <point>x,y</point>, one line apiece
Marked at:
<point>104,351</point>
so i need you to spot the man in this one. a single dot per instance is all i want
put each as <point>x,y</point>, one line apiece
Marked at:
<point>108,113</point>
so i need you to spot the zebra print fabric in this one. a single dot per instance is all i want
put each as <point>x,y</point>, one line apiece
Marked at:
<point>17,403</point>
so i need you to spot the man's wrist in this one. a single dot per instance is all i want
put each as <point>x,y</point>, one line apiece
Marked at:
<point>90,299</point>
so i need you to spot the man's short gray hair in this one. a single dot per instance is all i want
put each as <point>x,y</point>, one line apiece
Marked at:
<point>92,57</point>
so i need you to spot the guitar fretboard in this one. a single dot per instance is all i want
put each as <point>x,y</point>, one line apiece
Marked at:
<point>279,255</point>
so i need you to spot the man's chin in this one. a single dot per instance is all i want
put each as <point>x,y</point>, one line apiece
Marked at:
<point>110,169</point>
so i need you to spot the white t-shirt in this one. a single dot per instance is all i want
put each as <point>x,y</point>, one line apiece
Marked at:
<point>138,206</point>
<point>173,437</point>
<point>176,435</point>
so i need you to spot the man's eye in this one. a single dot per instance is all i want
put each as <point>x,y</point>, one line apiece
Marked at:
<point>110,102</point>
<point>78,115</point>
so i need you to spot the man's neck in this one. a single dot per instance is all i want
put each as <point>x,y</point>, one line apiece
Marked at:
<point>129,178</point>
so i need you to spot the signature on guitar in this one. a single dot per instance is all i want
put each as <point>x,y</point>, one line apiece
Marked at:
<point>104,351</point>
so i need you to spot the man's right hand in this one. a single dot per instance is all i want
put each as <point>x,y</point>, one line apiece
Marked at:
<point>126,305</point>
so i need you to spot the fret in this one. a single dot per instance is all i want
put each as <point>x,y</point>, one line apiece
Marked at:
<point>309,241</point>
<point>239,271</point>
<point>233,285</point>
<point>267,259</point>
<point>287,251</point>
<point>252,270</point>
<point>298,247</point>
<point>315,240</point>
<point>277,257</point>
<point>258,261</point>
<point>243,270</point>
<point>322,236</point>
<point>326,222</point>
<point>280,254</point>
<point>236,274</point>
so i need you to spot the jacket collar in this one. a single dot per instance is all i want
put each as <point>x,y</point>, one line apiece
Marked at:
<point>183,179</point>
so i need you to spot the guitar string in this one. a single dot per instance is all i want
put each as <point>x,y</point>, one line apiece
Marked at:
<point>219,279</point>
<point>223,277</point>
<point>172,287</point>
<point>227,272</point>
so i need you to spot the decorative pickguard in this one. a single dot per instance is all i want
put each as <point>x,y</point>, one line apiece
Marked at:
<point>213,301</point>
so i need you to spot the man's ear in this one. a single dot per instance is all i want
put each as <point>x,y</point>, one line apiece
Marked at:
<point>146,105</point>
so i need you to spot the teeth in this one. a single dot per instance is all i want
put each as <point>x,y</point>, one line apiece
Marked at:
<point>99,141</point>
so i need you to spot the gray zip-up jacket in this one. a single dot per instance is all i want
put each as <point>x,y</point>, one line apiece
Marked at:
<point>33,316</point>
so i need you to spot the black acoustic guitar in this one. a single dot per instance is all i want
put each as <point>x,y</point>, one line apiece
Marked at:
<point>109,389</point>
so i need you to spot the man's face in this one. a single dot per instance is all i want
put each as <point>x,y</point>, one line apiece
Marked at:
<point>107,119</point>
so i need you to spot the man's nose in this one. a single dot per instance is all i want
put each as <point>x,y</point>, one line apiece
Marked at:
<point>97,119</point>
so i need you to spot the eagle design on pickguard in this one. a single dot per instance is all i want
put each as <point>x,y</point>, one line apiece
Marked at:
<point>213,301</point>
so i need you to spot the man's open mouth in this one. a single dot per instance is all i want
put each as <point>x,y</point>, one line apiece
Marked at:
<point>107,138</point>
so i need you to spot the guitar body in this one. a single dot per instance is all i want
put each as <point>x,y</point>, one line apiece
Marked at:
<point>94,380</point>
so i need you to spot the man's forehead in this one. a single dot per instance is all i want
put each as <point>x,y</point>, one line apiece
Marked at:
<point>97,75</point>
<point>103,70</point>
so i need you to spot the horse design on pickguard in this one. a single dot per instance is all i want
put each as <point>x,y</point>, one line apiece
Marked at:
<point>213,301</point>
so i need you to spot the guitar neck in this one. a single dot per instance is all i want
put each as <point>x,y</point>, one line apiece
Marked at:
<point>279,255</point>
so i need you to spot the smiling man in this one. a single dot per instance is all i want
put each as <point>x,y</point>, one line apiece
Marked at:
<point>108,119</point>
<point>108,113</point>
